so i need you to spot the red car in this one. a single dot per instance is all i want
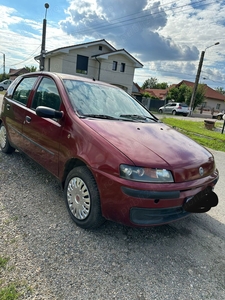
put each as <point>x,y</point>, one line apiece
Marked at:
<point>114,159</point>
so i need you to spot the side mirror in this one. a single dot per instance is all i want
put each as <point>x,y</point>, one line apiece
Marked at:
<point>47,112</point>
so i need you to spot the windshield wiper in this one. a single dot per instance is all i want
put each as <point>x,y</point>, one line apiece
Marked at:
<point>99,116</point>
<point>138,117</point>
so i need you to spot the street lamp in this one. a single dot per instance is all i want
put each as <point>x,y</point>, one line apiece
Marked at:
<point>3,64</point>
<point>42,58</point>
<point>197,76</point>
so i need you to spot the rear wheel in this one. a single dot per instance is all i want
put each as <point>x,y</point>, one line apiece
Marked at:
<point>4,142</point>
<point>174,112</point>
<point>82,198</point>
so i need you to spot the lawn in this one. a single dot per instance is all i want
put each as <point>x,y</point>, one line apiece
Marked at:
<point>196,130</point>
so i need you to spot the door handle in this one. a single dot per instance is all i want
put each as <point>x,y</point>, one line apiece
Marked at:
<point>28,119</point>
<point>7,106</point>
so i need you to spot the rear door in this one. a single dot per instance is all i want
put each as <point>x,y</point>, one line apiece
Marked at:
<point>15,110</point>
<point>43,135</point>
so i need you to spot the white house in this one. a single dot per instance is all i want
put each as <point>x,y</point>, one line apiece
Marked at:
<point>98,60</point>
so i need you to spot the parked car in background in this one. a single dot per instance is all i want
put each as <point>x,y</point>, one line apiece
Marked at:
<point>114,159</point>
<point>5,84</point>
<point>219,116</point>
<point>175,108</point>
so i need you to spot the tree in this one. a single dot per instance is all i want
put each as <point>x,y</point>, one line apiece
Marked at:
<point>3,77</point>
<point>183,94</point>
<point>152,83</point>
<point>199,97</point>
<point>180,94</point>
<point>220,90</point>
<point>31,69</point>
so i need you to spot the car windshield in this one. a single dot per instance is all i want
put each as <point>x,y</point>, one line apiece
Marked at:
<point>107,102</point>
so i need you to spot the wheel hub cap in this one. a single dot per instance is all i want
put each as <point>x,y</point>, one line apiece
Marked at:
<point>78,198</point>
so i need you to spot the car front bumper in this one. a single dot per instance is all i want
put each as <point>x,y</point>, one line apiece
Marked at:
<point>144,204</point>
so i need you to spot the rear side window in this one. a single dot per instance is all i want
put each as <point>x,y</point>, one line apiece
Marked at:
<point>22,91</point>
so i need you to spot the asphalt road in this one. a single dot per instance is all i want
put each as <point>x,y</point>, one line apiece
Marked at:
<point>183,260</point>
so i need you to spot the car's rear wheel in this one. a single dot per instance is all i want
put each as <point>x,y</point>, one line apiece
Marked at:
<point>4,142</point>
<point>82,198</point>
<point>174,112</point>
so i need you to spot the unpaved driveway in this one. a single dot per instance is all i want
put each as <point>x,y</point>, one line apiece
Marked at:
<point>51,258</point>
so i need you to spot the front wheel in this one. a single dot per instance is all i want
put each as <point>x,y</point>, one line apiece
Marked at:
<point>4,142</point>
<point>174,112</point>
<point>160,111</point>
<point>82,198</point>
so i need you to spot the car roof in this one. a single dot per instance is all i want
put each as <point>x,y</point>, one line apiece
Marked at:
<point>63,76</point>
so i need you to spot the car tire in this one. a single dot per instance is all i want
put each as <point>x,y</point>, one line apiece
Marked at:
<point>174,112</point>
<point>160,111</point>
<point>82,198</point>
<point>4,141</point>
<point>1,89</point>
<point>219,117</point>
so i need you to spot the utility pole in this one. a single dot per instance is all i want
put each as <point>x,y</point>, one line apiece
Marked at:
<point>196,81</point>
<point>42,58</point>
<point>3,65</point>
<point>198,76</point>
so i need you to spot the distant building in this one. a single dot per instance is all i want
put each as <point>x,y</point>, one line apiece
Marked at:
<point>13,73</point>
<point>98,60</point>
<point>213,99</point>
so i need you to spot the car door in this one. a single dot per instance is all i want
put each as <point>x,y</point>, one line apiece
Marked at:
<point>15,110</point>
<point>43,135</point>
<point>167,108</point>
<point>171,108</point>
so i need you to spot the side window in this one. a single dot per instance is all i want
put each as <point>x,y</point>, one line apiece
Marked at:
<point>122,67</point>
<point>114,66</point>
<point>22,91</point>
<point>82,64</point>
<point>46,95</point>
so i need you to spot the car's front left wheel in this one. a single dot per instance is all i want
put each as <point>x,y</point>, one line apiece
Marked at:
<point>4,142</point>
<point>82,198</point>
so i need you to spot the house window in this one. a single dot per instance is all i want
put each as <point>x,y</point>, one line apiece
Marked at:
<point>82,64</point>
<point>100,48</point>
<point>122,67</point>
<point>114,66</point>
<point>218,106</point>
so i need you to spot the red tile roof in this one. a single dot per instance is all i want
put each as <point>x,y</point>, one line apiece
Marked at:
<point>209,92</point>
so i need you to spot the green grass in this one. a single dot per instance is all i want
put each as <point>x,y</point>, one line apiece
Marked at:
<point>197,131</point>
<point>9,292</point>
<point>3,262</point>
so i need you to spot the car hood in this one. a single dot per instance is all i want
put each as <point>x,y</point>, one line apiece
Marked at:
<point>156,145</point>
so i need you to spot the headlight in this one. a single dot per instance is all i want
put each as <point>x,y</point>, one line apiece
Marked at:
<point>145,174</point>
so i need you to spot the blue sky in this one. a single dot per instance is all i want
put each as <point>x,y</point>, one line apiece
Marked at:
<point>166,36</point>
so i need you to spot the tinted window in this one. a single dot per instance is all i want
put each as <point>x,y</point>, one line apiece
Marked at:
<point>47,95</point>
<point>22,91</point>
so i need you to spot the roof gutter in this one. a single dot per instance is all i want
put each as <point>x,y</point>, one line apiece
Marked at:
<point>99,67</point>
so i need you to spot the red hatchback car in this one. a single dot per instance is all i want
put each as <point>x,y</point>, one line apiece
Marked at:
<point>114,159</point>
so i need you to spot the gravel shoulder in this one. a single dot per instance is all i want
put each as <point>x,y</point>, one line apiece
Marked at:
<point>51,258</point>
